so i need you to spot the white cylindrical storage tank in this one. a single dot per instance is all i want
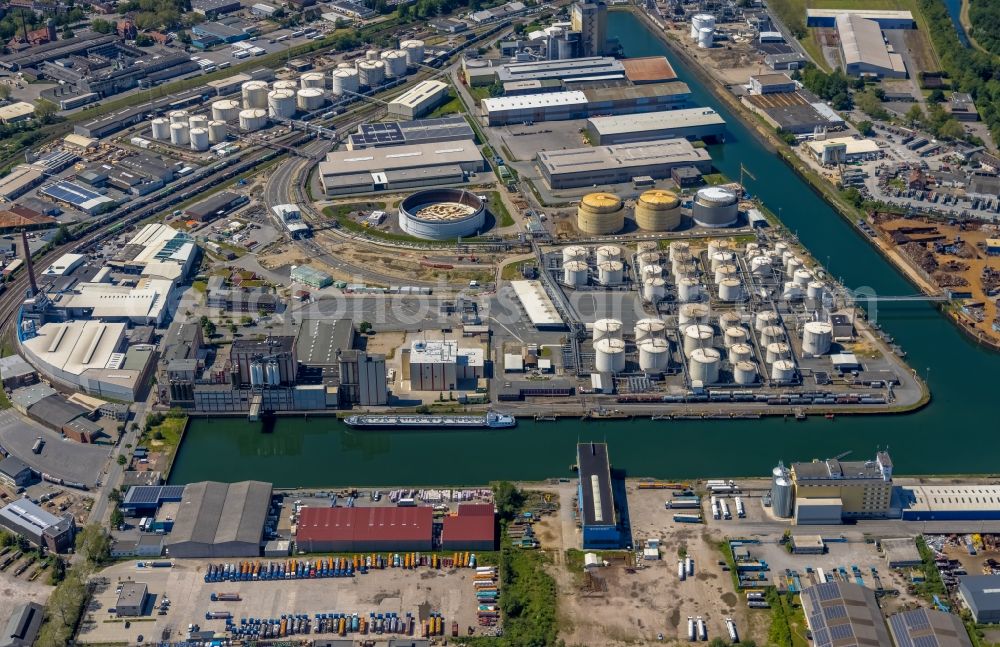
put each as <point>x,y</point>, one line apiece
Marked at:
<point>605,328</point>
<point>745,373</point>
<point>414,51</point>
<point>765,318</point>
<point>717,245</point>
<point>254,95</point>
<point>179,134</point>
<point>654,355</point>
<point>816,290</point>
<point>285,84</point>
<point>777,351</point>
<point>734,335</point>
<point>644,246</point>
<point>574,253</point>
<point>792,291</point>
<point>725,271</point>
<point>197,121</point>
<point>199,139</point>
<point>781,247</point>
<point>371,55</point>
<point>653,289</point>
<point>817,336</point>
<point>272,374</point>
<point>693,313</point>
<point>645,259</point>
<point>281,103</point>
<point>703,365</point>
<point>227,110</point>
<point>729,319</point>
<point>760,266</point>
<point>575,273</point>
<point>218,131</point>
<point>345,80</point>
<point>722,258</point>
<point>395,63</point>
<point>310,99</point>
<point>651,271</point>
<point>608,253</point>
<point>771,334</point>
<point>371,73</point>
<point>161,129</point>
<point>751,250</point>
<point>740,353</point>
<point>253,119</point>
<point>678,247</point>
<point>697,336</point>
<point>730,290</point>
<point>782,497</point>
<point>802,277</point>
<point>688,289</point>
<point>706,37</point>
<point>179,117</point>
<point>688,268</point>
<point>792,265</point>
<point>256,374</point>
<point>783,370</point>
<point>313,80</point>
<point>648,328</point>
<point>715,206</point>
<point>701,21</point>
<point>609,355</point>
<point>610,272</point>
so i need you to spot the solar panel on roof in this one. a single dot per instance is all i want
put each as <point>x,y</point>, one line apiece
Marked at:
<point>900,630</point>
<point>821,637</point>
<point>918,619</point>
<point>828,591</point>
<point>172,491</point>
<point>835,611</point>
<point>926,641</point>
<point>841,632</point>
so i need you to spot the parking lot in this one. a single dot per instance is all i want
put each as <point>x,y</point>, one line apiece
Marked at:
<point>419,592</point>
<point>66,459</point>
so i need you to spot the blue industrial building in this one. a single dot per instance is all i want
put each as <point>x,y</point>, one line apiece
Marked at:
<point>146,499</point>
<point>209,34</point>
<point>595,497</point>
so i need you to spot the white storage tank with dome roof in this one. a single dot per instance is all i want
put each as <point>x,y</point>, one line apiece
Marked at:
<point>745,373</point>
<point>313,80</point>
<point>281,104</point>
<point>414,51</point>
<point>310,99</point>
<point>218,132</point>
<point>697,336</point>
<point>654,355</point>
<point>199,139</point>
<point>648,328</point>
<point>161,129</point>
<point>253,119</point>
<point>653,289</point>
<point>609,355</point>
<point>179,134</point>
<point>715,206</point>
<point>227,110</point>
<point>817,337</point>
<point>606,328</point>
<point>345,80</point>
<point>610,273</point>
<point>254,95</point>
<point>575,273</point>
<point>703,365</point>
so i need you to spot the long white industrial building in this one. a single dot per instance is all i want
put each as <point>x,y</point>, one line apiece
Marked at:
<point>689,123</point>
<point>596,165</point>
<point>864,49</point>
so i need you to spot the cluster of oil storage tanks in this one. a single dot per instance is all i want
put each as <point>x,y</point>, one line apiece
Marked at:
<point>604,213</point>
<point>609,347</point>
<point>650,341</point>
<point>703,29</point>
<point>609,268</point>
<point>181,128</point>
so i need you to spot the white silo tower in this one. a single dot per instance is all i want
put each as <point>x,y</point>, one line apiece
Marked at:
<point>395,63</point>
<point>345,81</point>
<point>703,365</point>
<point>199,139</point>
<point>414,51</point>
<point>697,336</point>
<point>281,104</point>
<point>609,355</point>
<point>654,355</point>
<point>575,273</point>
<point>782,493</point>
<point>371,73</point>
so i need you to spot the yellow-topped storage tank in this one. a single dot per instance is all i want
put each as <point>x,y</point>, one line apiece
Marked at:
<point>601,213</point>
<point>658,210</point>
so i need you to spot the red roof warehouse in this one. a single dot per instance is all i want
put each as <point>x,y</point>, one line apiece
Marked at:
<point>473,528</point>
<point>322,530</point>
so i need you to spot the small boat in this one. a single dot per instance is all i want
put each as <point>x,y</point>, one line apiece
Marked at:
<point>830,416</point>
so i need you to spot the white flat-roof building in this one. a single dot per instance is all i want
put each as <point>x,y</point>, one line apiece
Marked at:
<point>770,83</point>
<point>546,106</point>
<point>157,251</point>
<point>576,69</point>
<point>418,100</point>
<point>886,19</point>
<point>64,265</point>
<point>439,365</point>
<point>144,304</point>
<point>864,50</point>
<point>950,502</point>
<point>690,123</point>
<point>840,150</point>
<point>537,304</point>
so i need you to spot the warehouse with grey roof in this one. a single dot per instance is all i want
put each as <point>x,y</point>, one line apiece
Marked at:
<point>220,520</point>
<point>597,165</point>
<point>690,123</point>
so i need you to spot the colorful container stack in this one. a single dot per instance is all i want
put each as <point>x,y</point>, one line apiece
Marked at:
<point>487,595</point>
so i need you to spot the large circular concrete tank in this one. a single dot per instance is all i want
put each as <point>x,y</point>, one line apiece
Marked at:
<point>817,336</point>
<point>575,273</point>
<point>706,37</point>
<point>395,63</point>
<point>782,497</point>
<point>253,119</point>
<point>792,264</point>
<point>254,95</point>
<point>699,22</point>
<point>740,353</point>
<point>644,246</point>
<point>179,134</point>
<point>697,336</point>
<point>609,355</point>
<point>760,266</point>
<point>684,269</point>
<point>693,313</point>
<point>309,99</point>
<point>285,84</point>
<point>197,121</point>
<point>678,247</point>
<point>717,245</point>
<point>606,253</point>
<point>281,103</point>
<point>414,51</point>
<point>179,117</point>
<point>771,334</point>
<point>345,80</point>
<point>161,129</point>
<point>766,318</point>
<point>371,73</point>
<point>783,370</point>
<point>648,328</point>
<point>715,206</point>
<point>703,365</point>
<point>777,351</point>
<point>653,289</point>
<point>313,80</point>
<point>218,131</point>
<point>816,290</point>
<point>734,335</point>
<point>730,290</point>
<point>745,373</point>
<point>574,253</point>
<point>605,328</point>
<point>654,355</point>
<point>610,272</point>
<point>651,271</point>
<point>688,289</point>
<point>600,214</point>
<point>658,210</point>
<point>227,110</point>
<point>199,139</point>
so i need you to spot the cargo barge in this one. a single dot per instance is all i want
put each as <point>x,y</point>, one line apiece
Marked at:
<point>491,420</point>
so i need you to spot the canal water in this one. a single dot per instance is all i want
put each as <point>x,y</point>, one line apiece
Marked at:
<point>956,433</point>
<point>955,11</point>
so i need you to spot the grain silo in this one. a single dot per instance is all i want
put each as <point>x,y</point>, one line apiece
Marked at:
<point>697,336</point>
<point>281,104</point>
<point>715,206</point>
<point>817,336</point>
<point>609,355</point>
<point>601,214</point>
<point>703,365</point>
<point>309,99</point>
<point>575,273</point>
<point>654,355</point>
<point>658,210</point>
<point>782,492</point>
<point>227,110</point>
<point>254,95</point>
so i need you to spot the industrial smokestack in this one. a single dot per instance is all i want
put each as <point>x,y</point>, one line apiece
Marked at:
<point>28,263</point>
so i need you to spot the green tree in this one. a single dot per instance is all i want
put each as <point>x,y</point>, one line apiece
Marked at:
<point>914,115</point>
<point>364,327</point>
<point>102,26</point>
<point>951,129</point>
<point>870,104</point>
<point>865,127</point>
<point>45,110</point>
<point>5,91</point>
<point>936,96</point>
<point>122,460</point>
<point>67,33</point>
<point>403,12</point>
<point>508,499</point>
<point>117,518</point>
<point>94,544</point>
<point>143,40</point>
<point>63,611</point>
<point>207,327</point>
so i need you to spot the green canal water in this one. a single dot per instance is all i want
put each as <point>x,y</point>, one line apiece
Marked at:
<point>956,433</point>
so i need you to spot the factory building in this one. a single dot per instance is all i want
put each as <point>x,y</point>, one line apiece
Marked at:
<point>886,19</point>
<point>324,530</point>
<point>266,362</point>
<point>579,104</point>
<point>591,20</point>
<point>145,304</point>
<point>597,165</point>
<point>131,599</point>
<point>440,365</point>
<point>800,112</point>
<point>21,628</point>
<point>981,595</point>
<point>839,613</point>
<point>829,491</point>
<point>362,379</point>
<point>145,500</point>
<point>537,304</point>
<point>691,123</point>
<point>399,167</point>
<point>215,206</point>
<point>474,527</point>
<point>418,100</point>
<point>771,83</point>
<point>928,628</point>
<point>311,277</point>
<point>157,251</point>
<point>78,197</point>
<point>648,69</point>
<point>864,51</point>
<point>401,133</point>
<point>39,526</point>
<point>595,498</point>
<point>15,474</point>
<point>843,150</point>
<point>616,100</point>
<point>950,502</point>
<point>586,68</point>
<point>15,372</point>
<point>546,106</point>
<point>21,179</point>
<point>220,520</point>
